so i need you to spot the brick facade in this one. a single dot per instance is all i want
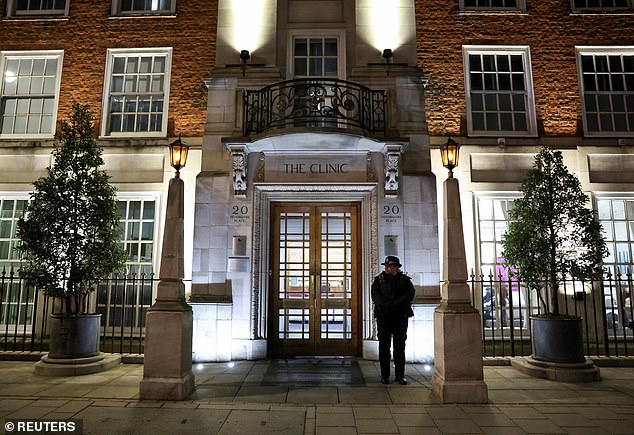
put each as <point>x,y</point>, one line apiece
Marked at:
<point>550,30</point>
<point>90,30</point>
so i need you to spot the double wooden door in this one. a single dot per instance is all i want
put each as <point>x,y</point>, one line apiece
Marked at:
<point>314,307</point>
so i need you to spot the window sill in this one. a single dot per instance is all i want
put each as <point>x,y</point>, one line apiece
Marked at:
<point>133,137</point>
<point>602,13</point>
<point>501,134</point>
<point>36,18</point>
<point>492,12</point>
<point>129,16</point>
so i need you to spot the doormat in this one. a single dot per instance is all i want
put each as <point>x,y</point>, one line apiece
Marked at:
<point>314,372</point>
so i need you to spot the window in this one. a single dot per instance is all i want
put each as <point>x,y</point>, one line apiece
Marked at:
<point>492,225</point>
<point>617,219</point>
<point>16,302</point>
<point>37,7</point>
<point>29,93</point>
<point>136,92</point>
<point>601,5</point>
<point>315,57</point>
<point>607,90</point>
<point>492,5</point>
<point>124,300</point>
<point>143,7</point>
<point>499,91</point>
<point>504,301</point>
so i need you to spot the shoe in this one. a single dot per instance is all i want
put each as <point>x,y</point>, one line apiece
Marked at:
<point>385,381</point>
<point>401,381</point>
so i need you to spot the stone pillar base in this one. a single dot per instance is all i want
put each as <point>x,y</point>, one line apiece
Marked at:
<point>459,391</point>
<point>167,368</point>
<point>167,388</point>
<point>458,376</point>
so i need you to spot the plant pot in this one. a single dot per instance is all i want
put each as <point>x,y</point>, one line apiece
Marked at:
<point>558,340</point>
<point>74,336</point>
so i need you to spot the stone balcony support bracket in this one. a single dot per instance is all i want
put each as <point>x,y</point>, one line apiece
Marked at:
<point>392,165</point>
<point>239,169</point>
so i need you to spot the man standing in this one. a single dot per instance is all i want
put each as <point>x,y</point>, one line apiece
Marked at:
<point>392,294</point>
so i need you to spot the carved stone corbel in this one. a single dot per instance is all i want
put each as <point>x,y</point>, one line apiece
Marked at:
<point>392,170</point>
<point>239,168</point>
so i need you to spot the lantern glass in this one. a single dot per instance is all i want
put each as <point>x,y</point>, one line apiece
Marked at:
<point>449,153</point>
<point>178,154</point>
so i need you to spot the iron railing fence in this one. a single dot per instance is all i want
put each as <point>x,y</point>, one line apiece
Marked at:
<point>507,304</point>
<point>315,103</point>
<point>122,301</point>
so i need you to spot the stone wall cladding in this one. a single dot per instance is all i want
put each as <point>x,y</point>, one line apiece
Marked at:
<point>550,30</point>
<point>90,31</point>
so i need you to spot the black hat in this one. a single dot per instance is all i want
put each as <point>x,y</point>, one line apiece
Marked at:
<point>391,260</point>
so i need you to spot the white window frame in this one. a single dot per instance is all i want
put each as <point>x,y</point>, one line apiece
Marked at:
<point>601,51</point>
<point>524,51</point>
<point>617,303</point>
<point>12,327</point>
<point>116,10</point>
<point>13,12</point>
<point>107,320</point>
<point>148,196</point>
<point>322,34</point>
<point>105,109</point>
<point>48,54</point>
<point>485,274</point>
<point>590,10</point>
<point>521,7</point>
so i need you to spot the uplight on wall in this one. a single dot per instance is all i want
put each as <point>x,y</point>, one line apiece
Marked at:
<point>248,18</point>
<point>388,26</point>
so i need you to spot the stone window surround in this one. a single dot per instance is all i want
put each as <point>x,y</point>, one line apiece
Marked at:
<point>105,109</point>
<point>601,51</point>
<point>365,194</point>
<point>531,119</point>
<point>323,33</point>
<point>12,11</point>
<point>59,55</point>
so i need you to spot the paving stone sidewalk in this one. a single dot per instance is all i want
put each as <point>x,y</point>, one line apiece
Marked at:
<point>230,399</point>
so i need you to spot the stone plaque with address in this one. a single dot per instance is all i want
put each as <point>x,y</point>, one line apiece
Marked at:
<point>240,213</point>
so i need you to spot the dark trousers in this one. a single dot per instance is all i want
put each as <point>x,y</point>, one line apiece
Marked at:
<point>392,328</point>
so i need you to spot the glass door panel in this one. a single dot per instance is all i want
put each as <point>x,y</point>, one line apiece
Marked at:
<point>314,280</point>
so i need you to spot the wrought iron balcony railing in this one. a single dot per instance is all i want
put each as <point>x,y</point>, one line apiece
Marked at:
<point>315,103</point>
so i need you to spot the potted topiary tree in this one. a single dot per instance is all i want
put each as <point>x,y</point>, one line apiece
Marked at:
<point>553,235</point>
<point>69,236</point>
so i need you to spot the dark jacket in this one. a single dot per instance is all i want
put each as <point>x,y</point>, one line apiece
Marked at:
<point>392,295</point>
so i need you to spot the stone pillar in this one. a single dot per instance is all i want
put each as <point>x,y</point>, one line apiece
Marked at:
<point>167,367</point>
<point>458,376</point>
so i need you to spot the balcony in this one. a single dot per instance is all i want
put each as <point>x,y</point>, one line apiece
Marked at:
<point>315,103</point>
